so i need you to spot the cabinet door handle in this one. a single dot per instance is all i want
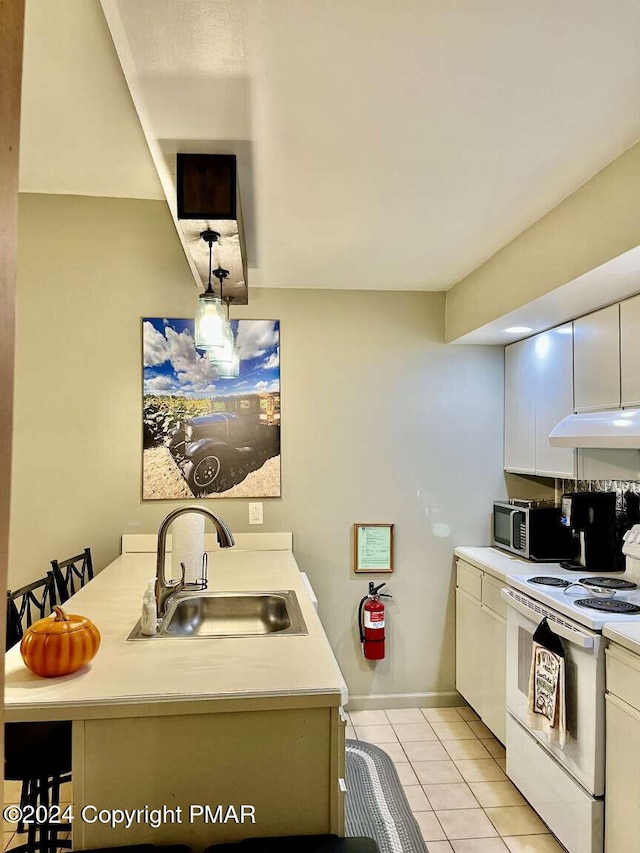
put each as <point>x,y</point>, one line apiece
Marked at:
<point>342,785</point>
<point>342,714</point>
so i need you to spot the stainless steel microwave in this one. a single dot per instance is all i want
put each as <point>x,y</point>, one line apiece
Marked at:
<point>531,529</point>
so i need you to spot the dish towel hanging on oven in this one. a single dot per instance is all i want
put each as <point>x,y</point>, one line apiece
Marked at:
<point>547,701</point>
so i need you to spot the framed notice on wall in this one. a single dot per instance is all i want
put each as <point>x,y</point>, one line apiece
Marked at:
<point>373,547</point>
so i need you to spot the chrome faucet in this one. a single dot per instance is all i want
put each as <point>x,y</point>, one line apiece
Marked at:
<point>165,590</point>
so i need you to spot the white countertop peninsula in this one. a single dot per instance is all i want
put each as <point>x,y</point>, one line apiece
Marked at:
<point>182,675</point>
<point>182,721</point>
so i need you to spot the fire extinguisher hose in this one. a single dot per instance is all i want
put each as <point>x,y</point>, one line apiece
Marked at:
<point>360,625</point>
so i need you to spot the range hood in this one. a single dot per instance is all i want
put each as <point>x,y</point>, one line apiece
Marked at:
<point>614,428</point>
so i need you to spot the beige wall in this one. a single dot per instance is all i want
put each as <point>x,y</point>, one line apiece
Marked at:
<point>381,422</point>
<point>598,222</point>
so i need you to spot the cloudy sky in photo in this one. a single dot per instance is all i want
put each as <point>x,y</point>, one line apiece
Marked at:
<point>173,365</point>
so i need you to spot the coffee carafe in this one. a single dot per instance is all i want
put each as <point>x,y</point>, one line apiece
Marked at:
<point>592,519</point>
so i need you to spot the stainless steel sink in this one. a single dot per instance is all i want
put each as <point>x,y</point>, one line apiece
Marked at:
<point>230,614</point>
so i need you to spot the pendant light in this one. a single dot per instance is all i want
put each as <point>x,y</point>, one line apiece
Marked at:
<point>210,316</point>
<point>227,358</point>
<point>228,365</point>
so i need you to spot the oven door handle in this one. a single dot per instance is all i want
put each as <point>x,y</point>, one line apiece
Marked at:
<point>562,629</point>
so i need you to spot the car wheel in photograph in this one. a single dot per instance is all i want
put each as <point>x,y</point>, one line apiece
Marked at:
<point>209,472</point>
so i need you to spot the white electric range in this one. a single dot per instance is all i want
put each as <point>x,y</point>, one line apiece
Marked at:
<point>566,784</point>
<point>571,594</point>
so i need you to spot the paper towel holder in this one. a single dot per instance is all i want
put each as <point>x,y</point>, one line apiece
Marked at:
<point>202,582</point>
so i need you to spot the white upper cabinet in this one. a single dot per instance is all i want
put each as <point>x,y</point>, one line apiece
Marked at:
<point>519,408</point>
<point>630,351</point>
<point>538,394</point>
<point>596,342</point>
<point>553,358</point>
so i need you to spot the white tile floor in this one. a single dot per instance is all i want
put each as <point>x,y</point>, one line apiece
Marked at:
<point>452,770</point>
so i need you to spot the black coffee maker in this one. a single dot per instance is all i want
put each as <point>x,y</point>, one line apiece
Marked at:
<point>592,519</point>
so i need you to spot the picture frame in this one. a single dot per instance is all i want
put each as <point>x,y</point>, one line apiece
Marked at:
<point>207,434</point>
<point>373,548</point>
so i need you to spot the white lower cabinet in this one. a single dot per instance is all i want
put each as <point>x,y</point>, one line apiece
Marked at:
<point>481,646</point>
<point>622,794</point>
<point>468,663</point>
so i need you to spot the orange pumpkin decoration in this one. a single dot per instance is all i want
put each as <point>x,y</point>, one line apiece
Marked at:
<point>59,644</point>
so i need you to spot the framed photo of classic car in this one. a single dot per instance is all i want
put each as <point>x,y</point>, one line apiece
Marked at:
<point>204,435</point>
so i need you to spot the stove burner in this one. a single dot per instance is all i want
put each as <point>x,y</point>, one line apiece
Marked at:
<point>608,583</point>
<point>608,605</point>
<point>549,581</point>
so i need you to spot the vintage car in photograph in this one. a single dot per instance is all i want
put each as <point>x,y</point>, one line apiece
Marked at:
<point>216,451</point>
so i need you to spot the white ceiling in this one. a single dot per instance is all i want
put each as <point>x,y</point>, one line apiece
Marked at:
<point>380,146</point>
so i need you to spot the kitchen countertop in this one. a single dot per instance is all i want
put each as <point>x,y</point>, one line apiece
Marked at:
<point>185,675</point>
<point>501,563</point>
<point>626,634</point>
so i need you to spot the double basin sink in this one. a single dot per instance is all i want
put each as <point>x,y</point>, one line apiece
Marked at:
<point>229,614</point>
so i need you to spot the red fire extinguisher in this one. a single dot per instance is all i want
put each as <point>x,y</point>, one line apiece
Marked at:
<point>371,622</point>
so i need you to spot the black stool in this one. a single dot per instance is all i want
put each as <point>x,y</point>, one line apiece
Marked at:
<point>36,754</point>
<point>298,844</point>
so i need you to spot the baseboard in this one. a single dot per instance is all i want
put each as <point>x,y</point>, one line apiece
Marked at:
<point>382,701</point>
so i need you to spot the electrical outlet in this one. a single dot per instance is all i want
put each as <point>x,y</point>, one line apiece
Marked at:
<point>255,513</point>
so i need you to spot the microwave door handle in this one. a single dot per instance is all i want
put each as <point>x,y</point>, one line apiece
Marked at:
<point>512,515</point>
<point>568,633</point>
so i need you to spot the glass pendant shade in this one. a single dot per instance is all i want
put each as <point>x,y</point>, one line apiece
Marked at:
<point>229,369</point>
<point>226,358</point>
<point>210,322</point>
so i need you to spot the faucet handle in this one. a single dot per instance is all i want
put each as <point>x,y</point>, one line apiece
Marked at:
<point>180,583</point>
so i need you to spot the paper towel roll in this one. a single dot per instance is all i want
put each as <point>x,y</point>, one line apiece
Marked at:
<point>188,546</point>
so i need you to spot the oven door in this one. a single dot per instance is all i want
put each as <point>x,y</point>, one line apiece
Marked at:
<point>583,753</point>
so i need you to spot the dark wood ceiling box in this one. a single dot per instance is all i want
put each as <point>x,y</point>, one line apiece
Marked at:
<point>206,185</point>
<point>208,199</point>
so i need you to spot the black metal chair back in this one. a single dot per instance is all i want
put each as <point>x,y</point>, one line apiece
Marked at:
<point>28,604</point>
<point>72,574</point>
